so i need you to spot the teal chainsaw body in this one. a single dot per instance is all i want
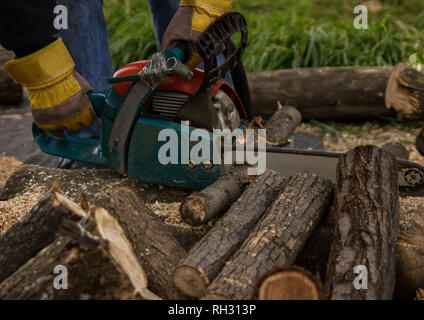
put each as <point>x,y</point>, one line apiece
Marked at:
<point>132,147</point>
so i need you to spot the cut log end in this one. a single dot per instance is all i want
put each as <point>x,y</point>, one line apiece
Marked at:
<point>404,92</point>
<point>193,210</point>
<point>190,281</point>
<point>290,283</point>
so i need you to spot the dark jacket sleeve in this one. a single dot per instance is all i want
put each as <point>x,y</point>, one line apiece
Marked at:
<point>26,25</point>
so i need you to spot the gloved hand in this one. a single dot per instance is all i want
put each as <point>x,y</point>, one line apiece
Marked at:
<point>57,93</point>
<point>191,19</point>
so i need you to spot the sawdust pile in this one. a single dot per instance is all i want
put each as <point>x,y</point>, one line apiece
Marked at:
<point>8,165</point>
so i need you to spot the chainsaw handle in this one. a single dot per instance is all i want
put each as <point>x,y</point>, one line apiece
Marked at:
<point>217,36</point>
<point>172,56</point>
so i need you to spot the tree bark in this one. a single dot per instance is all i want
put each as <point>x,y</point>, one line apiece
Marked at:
<point>209,255</point>
<point>36,231</point>
<point>410,249</point>
<point>405,92</point>
<point>155,246</point>
<point>355,93</point>
<point>276,240</point>
<point>10,92</point>
<point>281,125</point>
<point>99,265</point>
<point>202,206</point>
<point>366,214</point>
<point>289,283</point>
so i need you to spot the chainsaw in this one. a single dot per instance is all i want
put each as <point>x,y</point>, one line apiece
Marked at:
<point>147,97</point>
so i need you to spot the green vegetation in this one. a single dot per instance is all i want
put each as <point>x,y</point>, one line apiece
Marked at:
<point>292,33</point>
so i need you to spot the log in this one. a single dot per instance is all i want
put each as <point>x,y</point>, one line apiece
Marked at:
<point>100,264</point>
<point>289,283</point>
<point>208,256</point>
<point>276,240</point>
<point>10,92</point>
<point>420,294</point>
<point>281,125</point>
<point>410,249</point>
<point>202,206</point>
<point>157,249</point>
<point>366,213</point>
<point>405,92</point>
<point>35,231</point>
<point>334,93</point>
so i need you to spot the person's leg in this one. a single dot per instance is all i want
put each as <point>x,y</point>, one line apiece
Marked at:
<point>162,13</point>
<point>87,40</point>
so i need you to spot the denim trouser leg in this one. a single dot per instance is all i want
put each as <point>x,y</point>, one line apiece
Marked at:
<point>87,40</point>
<point>162,13</point>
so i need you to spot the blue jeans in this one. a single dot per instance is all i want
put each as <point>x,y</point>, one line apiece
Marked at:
<point>87,40</point>
<point>87,37</point>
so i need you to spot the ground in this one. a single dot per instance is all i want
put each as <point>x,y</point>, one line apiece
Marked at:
<point>336,137</point>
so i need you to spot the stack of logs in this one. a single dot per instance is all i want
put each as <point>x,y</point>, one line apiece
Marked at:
<point>271,237</point>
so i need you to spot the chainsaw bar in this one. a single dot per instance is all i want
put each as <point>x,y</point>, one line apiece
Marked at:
<point>289,162</point>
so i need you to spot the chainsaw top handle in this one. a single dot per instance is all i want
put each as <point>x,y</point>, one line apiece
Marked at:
<point>218,37</point>
<point>173,58</point>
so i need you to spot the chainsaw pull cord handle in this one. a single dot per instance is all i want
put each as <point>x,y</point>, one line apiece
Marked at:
<point>165,63</point>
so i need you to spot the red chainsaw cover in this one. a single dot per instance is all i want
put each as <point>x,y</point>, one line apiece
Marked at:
<point>175,83</point>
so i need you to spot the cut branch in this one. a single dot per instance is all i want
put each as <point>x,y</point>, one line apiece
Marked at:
<point>209,255</point>
<point>93,261</point>
<point>155,246</point>
<point>276,240</point>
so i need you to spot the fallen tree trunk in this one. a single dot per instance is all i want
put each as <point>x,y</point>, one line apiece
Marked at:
<point>289,283</point>
<point>276,240</point>
<point>202,206</point>
<point>355,93</point>
<point>82,265</point>
<point>209,255</point>
<point>155,246</point>
<point>405,92</point>
<point>36,231</point>
<point>366,215</point>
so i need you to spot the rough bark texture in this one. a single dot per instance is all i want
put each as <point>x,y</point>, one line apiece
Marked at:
<point>277,239</point>
<point>405,92</point>
<point>10,92</point>
<point>210,254</point>
<point>341,93</point>
<point>281,125</point>
<point>201,207</point>
<point>289,283</point>
<point>366,214</point>
<point>410,251</point>
<point>156,247</point>
<point>100,265</point>
<point>36,230</point>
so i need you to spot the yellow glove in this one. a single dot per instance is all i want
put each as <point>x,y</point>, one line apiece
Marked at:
<point>191,19</point>
<point>57,93</point>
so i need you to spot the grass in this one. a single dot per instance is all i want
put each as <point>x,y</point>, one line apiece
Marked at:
<point>292,33</point>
